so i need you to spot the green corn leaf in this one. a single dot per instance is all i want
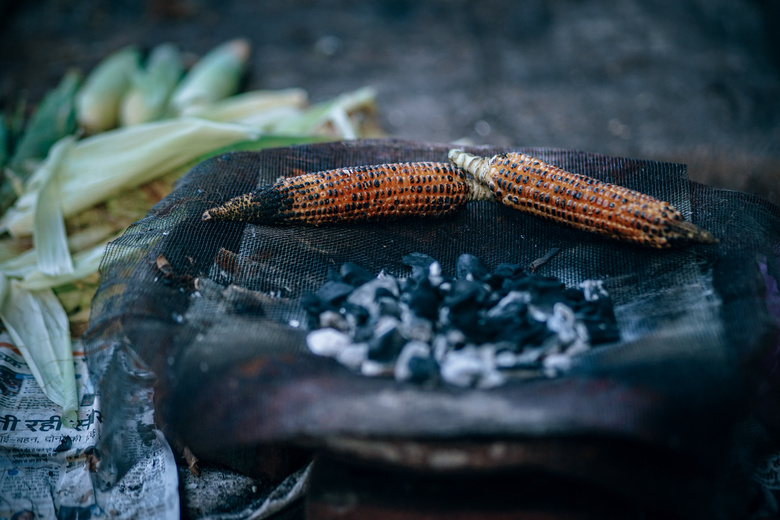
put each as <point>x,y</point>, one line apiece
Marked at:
<point>39,328</point>
<point>98,101</point>
<point>4,142</point>
<point>216,76</point>
<point>150,88</point>
<point>54,119</point>
<point>49,236</point>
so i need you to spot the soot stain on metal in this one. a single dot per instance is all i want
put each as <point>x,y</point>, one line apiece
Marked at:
<point>476,329</point>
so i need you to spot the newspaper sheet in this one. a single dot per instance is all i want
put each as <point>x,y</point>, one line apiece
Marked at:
<point>47,470</point>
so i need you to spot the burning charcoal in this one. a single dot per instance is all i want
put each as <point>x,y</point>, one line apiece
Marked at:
<point>355,275</point>
<point>417,260</point>
<point>387,340</point>
<point>415,350</point>
<point>332,292</point>
<point>327,342</point>
<point>469,267</point>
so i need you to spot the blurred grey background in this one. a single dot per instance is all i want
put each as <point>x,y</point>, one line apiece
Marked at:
<point>692,81</point>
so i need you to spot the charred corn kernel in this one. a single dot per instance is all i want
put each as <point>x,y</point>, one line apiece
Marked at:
<point>529,185</point>
<point>382,192</point>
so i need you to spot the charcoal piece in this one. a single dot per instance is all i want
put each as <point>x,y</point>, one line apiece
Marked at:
<point>414,327</point>
<point>469,267</point>
<point>546,283</point>
<point>355,275</point>
<point>601,331</point>
<point>383,292</point>
<point>422,369</point>
<point>574,295</point>
<point>355,312</point>
<point>366,294</point>
<point>465,293</point>
<point>562,322</point>
<point>514,305</point>
<point>471,367</point>
<point>389,306</point>
<point>412,350</point>
<point>505,270</point>
<point>333,320</point>
<point>525,333</point>
<point>353,355</point>
<point>517,283</point>
<point>466,318</point>
<point>422,299</point>
<point>435,274</point>
<point>327,342</point>
<point>418,275</point>
<point>386,341</point>
<point>332,292</point>
<point>417,260</point>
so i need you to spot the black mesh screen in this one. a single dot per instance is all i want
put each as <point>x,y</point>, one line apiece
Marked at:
<point>210,308</point>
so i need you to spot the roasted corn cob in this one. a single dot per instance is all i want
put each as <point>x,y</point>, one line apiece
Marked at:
<point>382,192</point>
<point>531,186</point>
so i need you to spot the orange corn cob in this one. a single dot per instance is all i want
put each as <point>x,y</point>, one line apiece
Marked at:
<point>529,185</point>
<point>382,192</point>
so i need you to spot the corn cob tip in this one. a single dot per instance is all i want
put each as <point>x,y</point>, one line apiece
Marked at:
<point>683,232</point>
<point>262,206</point>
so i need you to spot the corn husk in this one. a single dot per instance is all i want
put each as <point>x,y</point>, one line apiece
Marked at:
<point>105,164</point>
<point>39,328</point>
<point>334,113</point>
<point>216,76</point>
<point>259,109</point>
<point>150,89</point>
<point>98,101</point>
<point>49,237</point>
